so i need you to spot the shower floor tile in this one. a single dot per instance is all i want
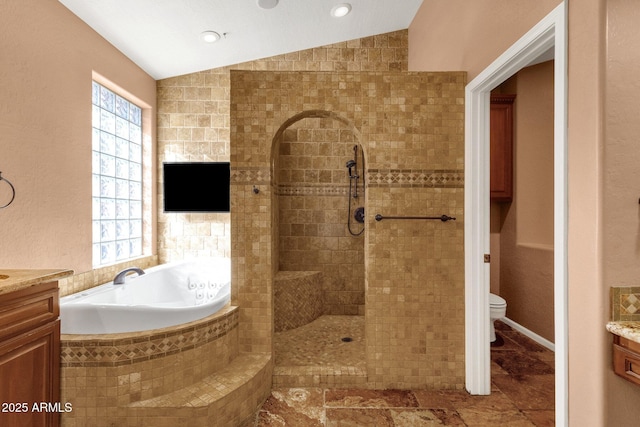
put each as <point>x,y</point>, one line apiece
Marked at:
<point>320,343</point>
<point>522,391</point>
<point>326,352</point>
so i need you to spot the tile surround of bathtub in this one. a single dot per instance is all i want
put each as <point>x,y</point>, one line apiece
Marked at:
<point>625,303</point>
<point>199,362</point>
<point>87,280</point>
<point>125,349</point>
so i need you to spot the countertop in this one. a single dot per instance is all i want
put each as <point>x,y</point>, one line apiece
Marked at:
<point>14,280</point>
<point>627,329</point>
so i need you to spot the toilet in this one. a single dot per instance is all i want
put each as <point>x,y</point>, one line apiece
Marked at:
<point>497,310</point>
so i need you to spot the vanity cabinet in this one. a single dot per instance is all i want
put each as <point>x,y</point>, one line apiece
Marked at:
<point>501,137</point>
<point>30,356</point>
<point>626,359</point>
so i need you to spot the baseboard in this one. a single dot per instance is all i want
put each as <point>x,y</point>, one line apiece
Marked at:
<point>524,331</point>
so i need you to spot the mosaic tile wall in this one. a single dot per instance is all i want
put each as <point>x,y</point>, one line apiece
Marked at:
<point>625,304</point>
<point>411,128</point>
<point>194,121</point>
<point>297,299</point>
<point>314,200</point>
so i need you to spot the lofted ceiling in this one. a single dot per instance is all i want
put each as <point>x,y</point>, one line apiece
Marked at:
<point>164,36</point>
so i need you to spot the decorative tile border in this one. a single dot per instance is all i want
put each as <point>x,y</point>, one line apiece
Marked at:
<point>313,190</point>
<point>123,349</point>
<point>625,303</point>
<point>445,178</point>
<point>250,175</point>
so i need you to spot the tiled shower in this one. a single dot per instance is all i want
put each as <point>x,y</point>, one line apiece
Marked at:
<point>406,277</point>
<point>314,196</point>
<point>410,127</point>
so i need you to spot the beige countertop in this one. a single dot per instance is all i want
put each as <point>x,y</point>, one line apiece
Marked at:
<point>627,329</point>
<point>14,280</point>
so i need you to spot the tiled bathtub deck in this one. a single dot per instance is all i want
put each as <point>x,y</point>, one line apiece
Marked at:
<point>522,391</point>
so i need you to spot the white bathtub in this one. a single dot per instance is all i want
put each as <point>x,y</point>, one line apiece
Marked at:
<point>167,295</point>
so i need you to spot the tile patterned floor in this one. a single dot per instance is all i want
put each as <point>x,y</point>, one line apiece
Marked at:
<point>315,355</point>
<point>522,393</point>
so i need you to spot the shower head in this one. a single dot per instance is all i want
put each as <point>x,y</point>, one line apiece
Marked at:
<point>350,164</point>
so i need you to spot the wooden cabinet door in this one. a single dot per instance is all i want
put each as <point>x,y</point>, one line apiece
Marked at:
<point>501,133</point>
<point>29,374</point>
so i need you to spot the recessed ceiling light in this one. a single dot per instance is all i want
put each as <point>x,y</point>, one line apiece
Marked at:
<point>340,10</point>
<point>267,4</point>
<point>209,36</point>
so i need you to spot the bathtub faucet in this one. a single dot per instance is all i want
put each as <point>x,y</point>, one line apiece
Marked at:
<point>119,279</point>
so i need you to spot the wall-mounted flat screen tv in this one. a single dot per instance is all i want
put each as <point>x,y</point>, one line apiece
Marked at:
<point>196,187</point>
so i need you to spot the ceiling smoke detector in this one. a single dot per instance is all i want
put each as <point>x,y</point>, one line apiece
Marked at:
<point>340,10</point>
<point>267,4</point>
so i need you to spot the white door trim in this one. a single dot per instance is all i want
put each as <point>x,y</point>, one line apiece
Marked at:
<point>549,33</point>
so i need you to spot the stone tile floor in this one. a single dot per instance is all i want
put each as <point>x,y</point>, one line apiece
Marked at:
<point>522,395</point>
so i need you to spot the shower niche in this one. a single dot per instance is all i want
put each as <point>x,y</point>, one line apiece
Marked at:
<point>319,176</point>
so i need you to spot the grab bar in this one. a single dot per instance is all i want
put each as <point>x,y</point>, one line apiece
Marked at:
<point>443,218</point>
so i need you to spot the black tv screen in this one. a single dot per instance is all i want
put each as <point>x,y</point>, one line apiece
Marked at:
<point>196,187</point>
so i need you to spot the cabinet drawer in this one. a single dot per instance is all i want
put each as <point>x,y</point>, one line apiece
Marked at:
<point>626,364</point>
<point>28,308</point>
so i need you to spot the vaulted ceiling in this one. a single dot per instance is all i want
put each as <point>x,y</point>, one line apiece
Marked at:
<point>164,37</point>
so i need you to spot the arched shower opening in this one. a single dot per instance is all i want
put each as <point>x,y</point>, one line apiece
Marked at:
<point>319,198</point>
<point>318,178</point>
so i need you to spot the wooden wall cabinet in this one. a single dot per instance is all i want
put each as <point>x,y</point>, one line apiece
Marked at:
<point>30,356</point>
<point>501,136</point>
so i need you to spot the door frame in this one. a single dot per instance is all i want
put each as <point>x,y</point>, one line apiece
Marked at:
<point>549,33</point>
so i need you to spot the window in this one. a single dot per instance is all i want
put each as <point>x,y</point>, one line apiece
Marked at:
<point>117,177</point>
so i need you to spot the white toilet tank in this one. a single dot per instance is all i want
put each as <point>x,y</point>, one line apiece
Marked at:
<point>496,301</point>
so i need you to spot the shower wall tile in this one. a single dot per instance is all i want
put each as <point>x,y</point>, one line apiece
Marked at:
<point>314,195</point>
<point>410,126</point>
<point>194,121</point>
<point>297,299</point>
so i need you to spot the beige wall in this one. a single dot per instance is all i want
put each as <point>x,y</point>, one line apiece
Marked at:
<point>46,65</point>
<point>468,35</point>
<point>534,156</point>
<point>526,224</point>
<point>589,344</point>
<point>621,185</point>
<point>596,398</point>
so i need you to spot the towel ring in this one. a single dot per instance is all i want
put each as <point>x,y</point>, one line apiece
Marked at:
<point>13,191</point>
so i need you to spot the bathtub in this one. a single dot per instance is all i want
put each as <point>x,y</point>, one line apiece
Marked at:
<point>167,295</point>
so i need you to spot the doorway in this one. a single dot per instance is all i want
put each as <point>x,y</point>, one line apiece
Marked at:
<point>546,39</point>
